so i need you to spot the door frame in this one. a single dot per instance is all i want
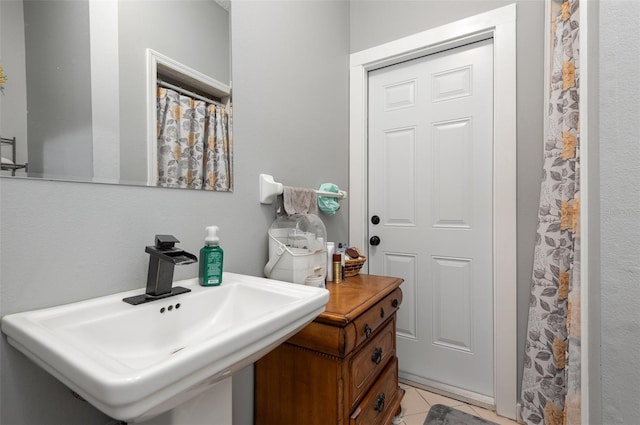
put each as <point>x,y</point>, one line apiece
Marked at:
<point>499,25</point>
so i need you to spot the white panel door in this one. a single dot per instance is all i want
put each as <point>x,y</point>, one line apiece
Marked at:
<point>430,193</point>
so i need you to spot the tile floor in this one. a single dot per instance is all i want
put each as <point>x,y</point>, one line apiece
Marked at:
<point>416,404</point>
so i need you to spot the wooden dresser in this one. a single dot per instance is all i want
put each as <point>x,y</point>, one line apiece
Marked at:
<point>341,368</point>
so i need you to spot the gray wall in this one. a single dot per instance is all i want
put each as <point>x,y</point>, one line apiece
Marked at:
<point>59,93</point>
<point>376,22</point>
<point>63,242</point>
<point>620,209</point>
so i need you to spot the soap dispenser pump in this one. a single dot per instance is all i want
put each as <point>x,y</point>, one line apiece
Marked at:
<point>211,257</point>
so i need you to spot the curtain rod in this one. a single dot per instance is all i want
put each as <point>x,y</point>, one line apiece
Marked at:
<point>188,93</point>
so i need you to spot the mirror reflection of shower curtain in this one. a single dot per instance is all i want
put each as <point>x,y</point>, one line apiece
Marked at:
<point>194,143</point>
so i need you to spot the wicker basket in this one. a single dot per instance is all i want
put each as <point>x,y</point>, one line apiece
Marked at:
<point>352,266</point>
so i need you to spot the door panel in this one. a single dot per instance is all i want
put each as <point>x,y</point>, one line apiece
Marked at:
<point>452,173</point>
<point>451,84</point>
<point>399,177</point>
<point>451,303</point>
<point>400,95</point>
<point>430,181</point>
<point>405,266</point>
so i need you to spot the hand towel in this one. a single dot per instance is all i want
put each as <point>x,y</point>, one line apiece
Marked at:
<point>328,205</point>
<point>299,200</point>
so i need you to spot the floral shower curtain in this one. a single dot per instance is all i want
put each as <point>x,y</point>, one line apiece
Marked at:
<point>195,148</point>
<point>551,377</point>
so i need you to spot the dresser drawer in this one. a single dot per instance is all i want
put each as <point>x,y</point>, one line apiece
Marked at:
<point>367,324</point>
<point>328,339</point>
<point>367,364</point>
<point>381,401</point>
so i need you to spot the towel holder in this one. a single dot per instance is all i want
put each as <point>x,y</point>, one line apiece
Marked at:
<point>269,189</point>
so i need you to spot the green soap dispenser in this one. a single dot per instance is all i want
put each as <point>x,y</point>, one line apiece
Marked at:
<point>211,256</point>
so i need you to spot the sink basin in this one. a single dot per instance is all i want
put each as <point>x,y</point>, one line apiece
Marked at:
<point>134,362</point>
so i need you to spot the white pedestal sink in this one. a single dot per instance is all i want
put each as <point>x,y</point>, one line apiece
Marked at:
<point>135,363</point>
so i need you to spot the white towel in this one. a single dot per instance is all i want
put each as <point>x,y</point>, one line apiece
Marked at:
<point>299,200</point>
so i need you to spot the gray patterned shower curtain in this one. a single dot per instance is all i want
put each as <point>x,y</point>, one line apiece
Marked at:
<point>551,377</point>
<point>195,144</point>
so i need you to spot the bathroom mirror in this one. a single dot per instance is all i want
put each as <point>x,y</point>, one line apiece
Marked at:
<point>79,79</point>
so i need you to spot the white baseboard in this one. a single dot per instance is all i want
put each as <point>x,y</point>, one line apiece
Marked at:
<point>448,391</point>
<point>519,413</point>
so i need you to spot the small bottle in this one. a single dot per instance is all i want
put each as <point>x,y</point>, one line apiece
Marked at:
<point>331,247</point>
<point>337,268</point>
<point>341,249</point>
<point>211,257</point>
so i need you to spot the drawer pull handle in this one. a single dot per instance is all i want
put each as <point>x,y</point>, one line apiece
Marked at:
<point>380,403</point>
<point>394,303</point>
<point>367,330</point>
<point>382,312</point>
<point>377,355</point>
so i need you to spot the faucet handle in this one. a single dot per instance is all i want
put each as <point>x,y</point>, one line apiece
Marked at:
<point>166,241</point>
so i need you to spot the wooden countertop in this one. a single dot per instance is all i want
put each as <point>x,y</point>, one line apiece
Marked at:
<point>355,295</point>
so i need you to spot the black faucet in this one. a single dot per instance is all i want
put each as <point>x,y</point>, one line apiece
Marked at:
<point>164,256</point>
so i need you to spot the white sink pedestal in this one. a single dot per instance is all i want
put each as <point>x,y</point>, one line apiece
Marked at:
<point>211,407</point>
